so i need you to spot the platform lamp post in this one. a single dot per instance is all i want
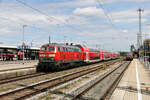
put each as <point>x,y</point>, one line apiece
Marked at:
<point>1,51</point>
<point>23,44</point>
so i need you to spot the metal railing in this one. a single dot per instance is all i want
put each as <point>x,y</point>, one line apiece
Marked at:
<point>145,62</point>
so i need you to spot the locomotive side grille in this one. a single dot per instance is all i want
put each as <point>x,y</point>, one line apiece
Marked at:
<point>46,59</point>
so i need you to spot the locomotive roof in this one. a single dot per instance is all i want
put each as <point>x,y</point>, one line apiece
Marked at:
<point>61,45</point>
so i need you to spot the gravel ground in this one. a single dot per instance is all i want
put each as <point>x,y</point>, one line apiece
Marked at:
<point>59,92</point>
<point>97,91</point>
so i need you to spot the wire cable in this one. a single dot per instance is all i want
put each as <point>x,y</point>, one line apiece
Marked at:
<point>108,16</point>
<point>50,17</point>
<point>37,10</point>
<point>105,13</point>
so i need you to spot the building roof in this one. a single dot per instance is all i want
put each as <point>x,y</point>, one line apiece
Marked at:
<point>15,47</point>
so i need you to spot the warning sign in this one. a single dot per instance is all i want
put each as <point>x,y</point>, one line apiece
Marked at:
<point>23,44</point>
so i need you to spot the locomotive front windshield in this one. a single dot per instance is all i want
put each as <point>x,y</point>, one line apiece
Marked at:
<point>43,49</point>
<point>51,49</point>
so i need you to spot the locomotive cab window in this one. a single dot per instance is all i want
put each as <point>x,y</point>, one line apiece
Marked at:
<point>51,49</point>
<point>43,49</point>
<point>58,49</point>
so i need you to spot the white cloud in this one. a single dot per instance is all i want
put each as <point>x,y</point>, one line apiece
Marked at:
<point>72,3</point>
<point>128,14</point>
<point>4,31</point>
<point>89,11</point>
<point>124,14</point>
<point>129,20</point>
<point>125,31</point>
<point>77,20</point>
<point>114,1</point>
<point>85,3</point>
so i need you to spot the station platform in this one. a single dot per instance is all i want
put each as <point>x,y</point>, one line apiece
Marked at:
<point>135,83</point>
<point>18,65</point>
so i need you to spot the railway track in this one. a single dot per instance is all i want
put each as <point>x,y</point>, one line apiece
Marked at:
<point>104,92</point>
<point>13,79</point>
<point>33,89</point>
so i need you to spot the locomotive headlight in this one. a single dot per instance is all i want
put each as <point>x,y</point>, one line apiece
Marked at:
<point>51,55</point>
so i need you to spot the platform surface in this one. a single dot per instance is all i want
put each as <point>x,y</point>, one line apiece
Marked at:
<point>18,65</point>
<point>135,84</point>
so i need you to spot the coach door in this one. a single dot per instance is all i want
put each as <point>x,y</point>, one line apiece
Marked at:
<point>101,56</point>
<point>87,56</point>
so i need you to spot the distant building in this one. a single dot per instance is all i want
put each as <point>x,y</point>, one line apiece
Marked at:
<point>11,52</point>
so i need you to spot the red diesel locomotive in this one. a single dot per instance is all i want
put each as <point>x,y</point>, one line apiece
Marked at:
<point>55,56</point>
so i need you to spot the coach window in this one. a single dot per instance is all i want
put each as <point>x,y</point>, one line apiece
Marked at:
<point>79,50</point>
<point>69,50</point>
<point>58,49</point>
<point>75,50</point>
<point>66,49</point>
<point>63,48</point>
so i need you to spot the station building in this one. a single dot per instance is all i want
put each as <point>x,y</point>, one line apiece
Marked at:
<point>16,53</point>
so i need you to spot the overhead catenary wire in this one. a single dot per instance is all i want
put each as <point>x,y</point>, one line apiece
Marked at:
<point>25,4</point>
<point>105,13</point>
<point>19,24</point>
<point>50,17</point>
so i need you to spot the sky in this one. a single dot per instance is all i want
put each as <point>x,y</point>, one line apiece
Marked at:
<point>111,25</point>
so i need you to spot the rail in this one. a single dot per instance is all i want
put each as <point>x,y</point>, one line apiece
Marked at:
<point>13,79</point>
<point>33,89</point>
<point>118,73</point>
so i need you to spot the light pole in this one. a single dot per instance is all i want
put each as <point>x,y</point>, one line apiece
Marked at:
<point>31,43</point>
<point>23,44</point>
<point>1,51</point>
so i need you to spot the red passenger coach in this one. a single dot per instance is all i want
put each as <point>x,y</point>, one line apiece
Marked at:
<point>94,55</point>
<point>101,54</point>
<point>90,55</point>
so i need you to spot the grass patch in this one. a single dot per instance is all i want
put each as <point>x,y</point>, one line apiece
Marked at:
<point>19,73</point>
<point>65,87</point>
<point>45,97</point>
<point>86,77</point>
<point>56,92</point>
